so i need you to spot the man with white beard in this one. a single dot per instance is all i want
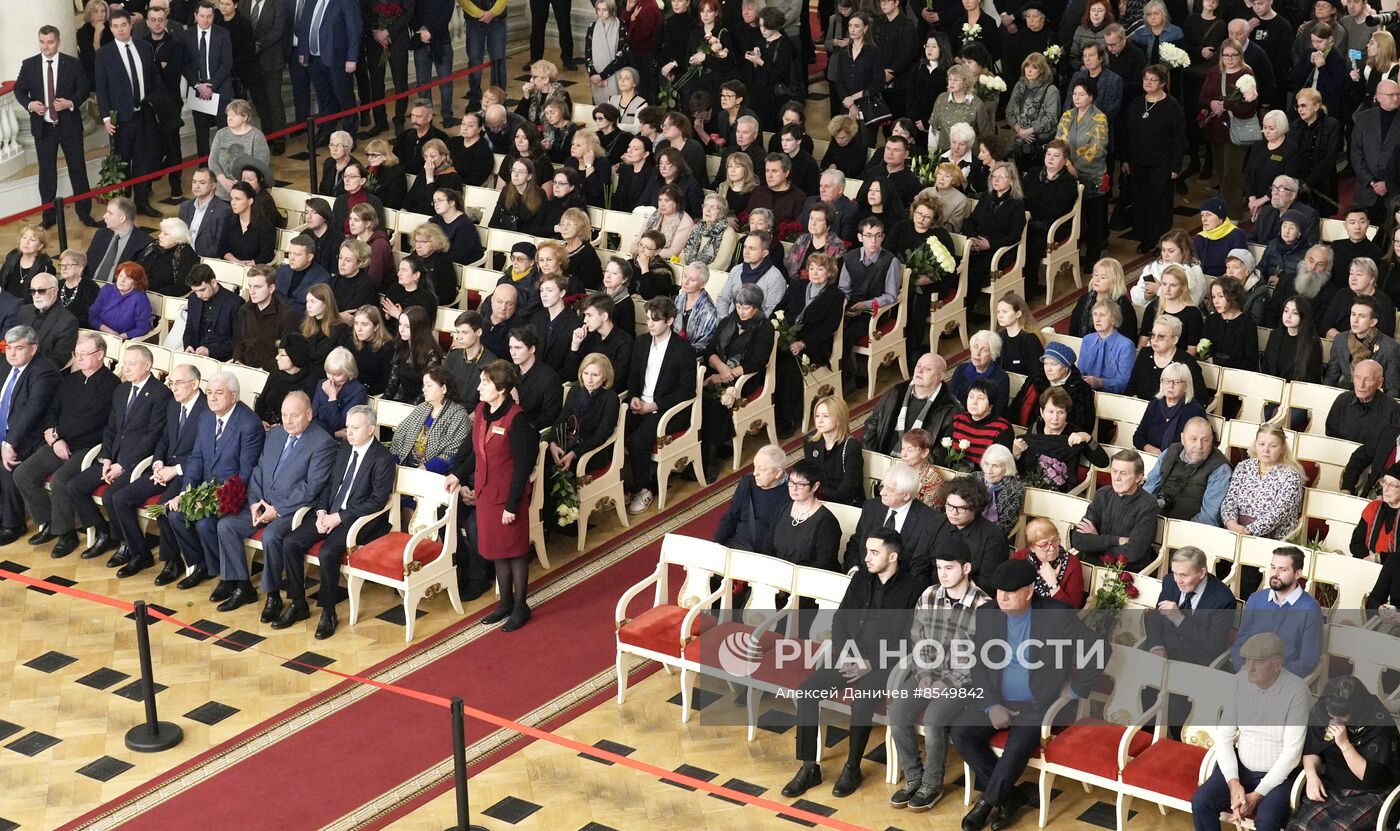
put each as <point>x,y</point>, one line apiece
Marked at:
<point>1311,280</point>
<point>57,327</point>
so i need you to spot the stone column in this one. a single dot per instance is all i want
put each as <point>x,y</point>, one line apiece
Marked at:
<point>21,37</point>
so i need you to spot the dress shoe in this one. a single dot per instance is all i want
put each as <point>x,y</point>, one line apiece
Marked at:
<point>67,544</point>
<point>48,223</point>
<point>502,612</point>
<point>848,781</point>
<point>169,573</point>
<point>149,210</point>
<point>1005,815</point>
<point>242,596</point>
<point>519,616</point>
<point>326,627</point>
<point>272,609</point>
<point>100,545</point>
<point>90,222</point>
<point>472,589</point>
<point>120,557</point>
<point>137,565</point>
<point>293,613</point>
<point>194,578</point>
<point>223,591</point>
<point>572,65</point>
<point>976,819</point>
<point>808,777</point>
<point>9,535</point>
<point>42,535</point>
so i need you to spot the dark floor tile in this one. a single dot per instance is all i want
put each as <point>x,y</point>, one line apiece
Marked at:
<point>211,713</point>
<point>171,201</point>
<point>511,810</point>
<point>56,580</point>
<point>240,640</point>
<point>836,735</point>
<point>103,678</point>
<point>699,699</point>
<point>152,607</point>
<point>395,615</point>
<point>135,692</point>
<point>611,747</point>
<point>50,662</point>
<point>32,744</point>
<point>742,787</point>
<point>1103,815</point>
<point>776,721</point>
<point>8,825</point>
<point>694,773</point>
<point>299,157</point>
<point>592,826</point>
<point>1032,794</point>
<point>810,807</point>
<point>876,754</point>
<point>307,662</point>
<point>13,567</point>
<point>105,769</point>
<point>8,729</point>
<point>201,629</point>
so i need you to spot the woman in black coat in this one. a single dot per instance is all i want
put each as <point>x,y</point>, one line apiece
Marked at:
<point>24,261</point>
<point>1263,164</point>
<point>995,223</point>
<point>1318,137</point>
<point>859,69</point>
<point>588,418</point>
<point>1152,140</point>
<point>386,177</point>
<point>167,266</point>
<point>89,39</point>
<point>743,344</point>
<point>634,175</point>
<point>240,32</point>
<point>770,69</point>
<point>816,306</point>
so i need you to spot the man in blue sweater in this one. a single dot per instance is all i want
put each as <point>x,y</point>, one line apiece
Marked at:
<point>758,500</point>
<point>1287,611</point>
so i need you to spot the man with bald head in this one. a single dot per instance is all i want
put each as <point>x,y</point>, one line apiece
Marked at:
<point>1365,410</point>
<point>924,401</point>
<point>56,326</point>
<point>499,127</point>
<point>1259,60</point>
<point>1191,477</point>
<point>1375,152</point>
<point>502,314</point>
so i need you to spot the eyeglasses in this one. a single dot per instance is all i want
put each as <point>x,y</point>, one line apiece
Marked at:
<point>956,508</point>
<point>43,291</point>
<point>69,265</point>
<point>1052,542</point>
<point>794,483</point>
<point>340,144</point>
<point>87,354</point>
<point>562,183</point>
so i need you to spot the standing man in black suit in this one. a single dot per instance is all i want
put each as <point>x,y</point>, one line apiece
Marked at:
<point>171,59</point>
<point>897,508</point>
<point>52,86</point>
<point>328,45</point>
<point>118,241</point>
<point>209,70</point>
<point>361,483</point>
<point>25,392</point>
<point>128,91</point>
<point>662,376</point>
<point>301,76</point>
<point>137,420</point>
<point>271,31</point>
<point>384,47</point>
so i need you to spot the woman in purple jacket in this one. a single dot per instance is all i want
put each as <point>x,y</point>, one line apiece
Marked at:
<point>122,307</point>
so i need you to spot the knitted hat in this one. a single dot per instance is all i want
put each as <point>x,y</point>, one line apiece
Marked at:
<point>1295,216</point>
<point>1244,256</point>
<point>526,248</point>
<point>1215,205</point>
<point>1058,352</point>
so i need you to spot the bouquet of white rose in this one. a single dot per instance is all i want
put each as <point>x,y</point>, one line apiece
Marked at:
<point>1053,53</point>
<point>1173,56</point>
<point>971,32</point>
<point>955,455</point>
<point>989,87</point>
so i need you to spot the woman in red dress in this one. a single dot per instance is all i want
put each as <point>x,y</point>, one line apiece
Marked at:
<point>495,476</point>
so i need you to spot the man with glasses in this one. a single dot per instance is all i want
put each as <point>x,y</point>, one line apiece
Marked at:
<point>26,391</point>
<point>72,425</point>
<point>204,214</point>
<point>870,280</point>
<point>1375,152</point>
<point>1121,519</point>
<point>1283,197</point>
<point>1191,478</point>
<point>56,326</point>
<point>964,501</point>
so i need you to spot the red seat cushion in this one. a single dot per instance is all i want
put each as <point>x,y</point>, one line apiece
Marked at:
<point>257,533</point>
<point>998,742</point>
<point>1091,745</point>
<point>790,675</point>
<point>1167,767</point>
<point>659,629</point>
<point>101,489</point>
<point>886,326</point>
<point>314,551</point>
<point>384,556</point>
<point>154,500</point>
<point>716,634</point>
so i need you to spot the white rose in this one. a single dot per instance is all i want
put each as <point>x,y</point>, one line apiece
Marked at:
<point>964,444</point>
<point>947,443</point>
<point>779,315</point>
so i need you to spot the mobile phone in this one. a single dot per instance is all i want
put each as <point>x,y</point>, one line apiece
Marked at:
<point>1355,55</point>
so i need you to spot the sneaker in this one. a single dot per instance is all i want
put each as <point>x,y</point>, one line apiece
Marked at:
<point>901,797</point>
<point>925,798</point>
<point>640,502</point>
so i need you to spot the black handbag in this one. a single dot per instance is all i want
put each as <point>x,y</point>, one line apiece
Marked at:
<point>873,109</point>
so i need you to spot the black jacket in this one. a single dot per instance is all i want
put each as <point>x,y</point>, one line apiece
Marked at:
<point>982,537</point>
<point>131,435</point>
<point>819,318</point>
<point>1051,621</point>
<point>71,83</point>
<point>1201,637</point>
<point>867,626</point>
<point>676,382</point>
<point>917,535</point>
<point>880,434</point>
<point>29,404</point>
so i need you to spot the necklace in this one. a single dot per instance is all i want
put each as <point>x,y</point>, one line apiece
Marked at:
<point>1148,109</point>
<point>796,520</point>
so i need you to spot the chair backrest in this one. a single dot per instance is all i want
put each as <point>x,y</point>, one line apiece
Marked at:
<point>480,280</point>
<point>408,222</point>
<point>848,517</point>
<point>251,381</point>
<point>227,272</point>
<point>430,491</point>
<point>1125,411</point>
<point>391,413</point>
<point>1132,671</point>
<point>1316,399</point>
<point>1349,581</point>
<point>1335,229</point>
<point>1257,553</point>
<point>1332,517</point>
<point>483,198</point>
<point>207,366</point>
<point>1329,455</point>
<point>1372,654</point>
<point>290,203</point>
<point>1211,691</point>
<point>701,560</point>
<point>825,589</point>
<point>1220,545</point>
<point>1060,508</point>
<point>1051,336</point>
<point>766,577</point>
<point>1255,389</point>
<point>874,467</point>
<point>853,187</point>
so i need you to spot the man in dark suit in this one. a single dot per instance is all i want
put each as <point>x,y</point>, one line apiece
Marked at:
<point>228,443</point>
<point>25,393</point>
<point>55,325</point>
<point>328,45</point>
<point>897,508</point>
<point>54,120</point>
<point>171,60</point>
<point>300,75</point>
<point>271,33</point>
<point>136,420</point>
<point>1014,697</point>
<point>117,242</point>
<point>361,483</point>
<point>173,445</point>
<point>385,48</point>
<point>128,94</point>
<point>295,465</point>
<point>662,376</point>
<point>211,315</point>
<point>1375,152</point>
<point>300,273</point>
<point>205,214</point>
<point>209,70</point>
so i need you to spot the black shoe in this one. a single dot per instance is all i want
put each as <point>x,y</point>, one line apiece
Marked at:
<point>925,798</point>
<point>976,819</point>
<point>242,596</point>
<point>277,146</point>
<point>121,557</point>
<point>502,612</point>
<point>176,195</point>
<point>169,573</point>
<point>519,616</point>
<point>572,65</point>
<point>808,777</point>
<point>1146,247</point>
<point>272,609</point>
<point>472,589</point>
<point>326,627</point>
<point>48,223</point>
<point>101,544</point>
<point>900,798</point>
<point>1005,815</point>
<point>90,222</point>
<point>9,535</point>
<point>294,613</point>
<point>67,544</point>
<point>848,781</point>
<point>149,210</point>
<point>223,591</point>
<point>137,565</point>
<point>194,578</point>
<point>42,535</point>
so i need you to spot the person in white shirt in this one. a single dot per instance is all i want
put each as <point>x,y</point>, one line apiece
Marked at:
<point>1258,743</point>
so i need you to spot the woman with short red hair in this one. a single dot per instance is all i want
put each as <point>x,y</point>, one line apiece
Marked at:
<point>122,307</point>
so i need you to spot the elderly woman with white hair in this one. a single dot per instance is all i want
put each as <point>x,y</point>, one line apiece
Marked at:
<point>758,503</point>
<point>707,235</point>
<point>984,350</point>
<point>1167,414</point>
<point>997,471</point>
<point>696,315</point>
<point>169,259</point>
<point>1105,354</point>
<point>331,182</point>
<point>1163,348</point>
<point>1275,156</point>
<point>962,141</point>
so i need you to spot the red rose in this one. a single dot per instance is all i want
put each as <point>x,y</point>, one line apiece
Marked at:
<point>1107,560</point>
<point>1126,577</point>
<point>232,496</point>
<point>1132,591</point>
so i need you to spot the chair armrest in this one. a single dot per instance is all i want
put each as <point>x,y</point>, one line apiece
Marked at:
<point>620,615</point>
<point>703,605</point>
<point>1050,242</point>
<point>876,319</point>
<point>90,458</point>
<point>663,424</point>
<point>1295,793</point>
<point>1053,711</point>
<point>1207,767</point>
<point>1002,252</point>
<point>1223,662</point>
<point>300,516</point>
<point>352,536</point>
<point>1148,715</point>
<point>1388,808</point>
<point>423,534</point>
<point>581,463</point>
<point>141,467</point>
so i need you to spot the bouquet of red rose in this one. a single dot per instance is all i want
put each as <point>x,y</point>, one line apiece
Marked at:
<point>387,14</point>
<point>209,500</point>
<point>789,231</point>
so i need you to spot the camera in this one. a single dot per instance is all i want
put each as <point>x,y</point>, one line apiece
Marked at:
<point>1387,19</point>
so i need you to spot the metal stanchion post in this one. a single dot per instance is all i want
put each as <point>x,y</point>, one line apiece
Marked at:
<point>62,223</point>
<point>459,766</point>
<point>155,735</point>
<point>311,150</point>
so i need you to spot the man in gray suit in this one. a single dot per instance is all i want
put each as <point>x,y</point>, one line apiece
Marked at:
<point>1375,152</point>
<point>205,214</point>
<point>295,465</point>
<point>57,327</point>
<point>209,71</point>
<point>271,24</point>
<point>1365,329</point>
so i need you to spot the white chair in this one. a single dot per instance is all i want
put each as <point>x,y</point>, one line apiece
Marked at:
<point>884,342</point>
<point>1007,271</point>
<point>290,203</point>
<point>1125,411</point>
<point>1060,254</point>
<point>822,381</point>
<point>677,448</point>
<point>954,310</point>
<point>1316,399</point>
<point>754,412</point>
<point>539,487</point>
<point>1256,391</point>
<point>602,489</point>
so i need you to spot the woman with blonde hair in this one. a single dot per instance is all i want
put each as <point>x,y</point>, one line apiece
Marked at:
<point>322,327</point>
<point>584,269</point>
<point>438,174</point>
<point>739,182</point>
<point>839,454</point>
<point>1107,283</point>
<point>373,348</point>
<point>846,152</point>
<point>998,221</point>
<point>386,177</point>
<point>1021,341</point>
<point>590,160</point>
<point>340,391</point>
<point>93,35</point>
<point>364,226</point>
<point>30,257</point>
<point>588,418</point>
<point>948,182</point>
<point>959,105</point>
<point>1033,110</point>
<point>431,245</point>
<point>1265,498</point>
<point>544,82</point>
<point>350,283</point>
<point>1174,298</point>
<point>1381,65</point>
